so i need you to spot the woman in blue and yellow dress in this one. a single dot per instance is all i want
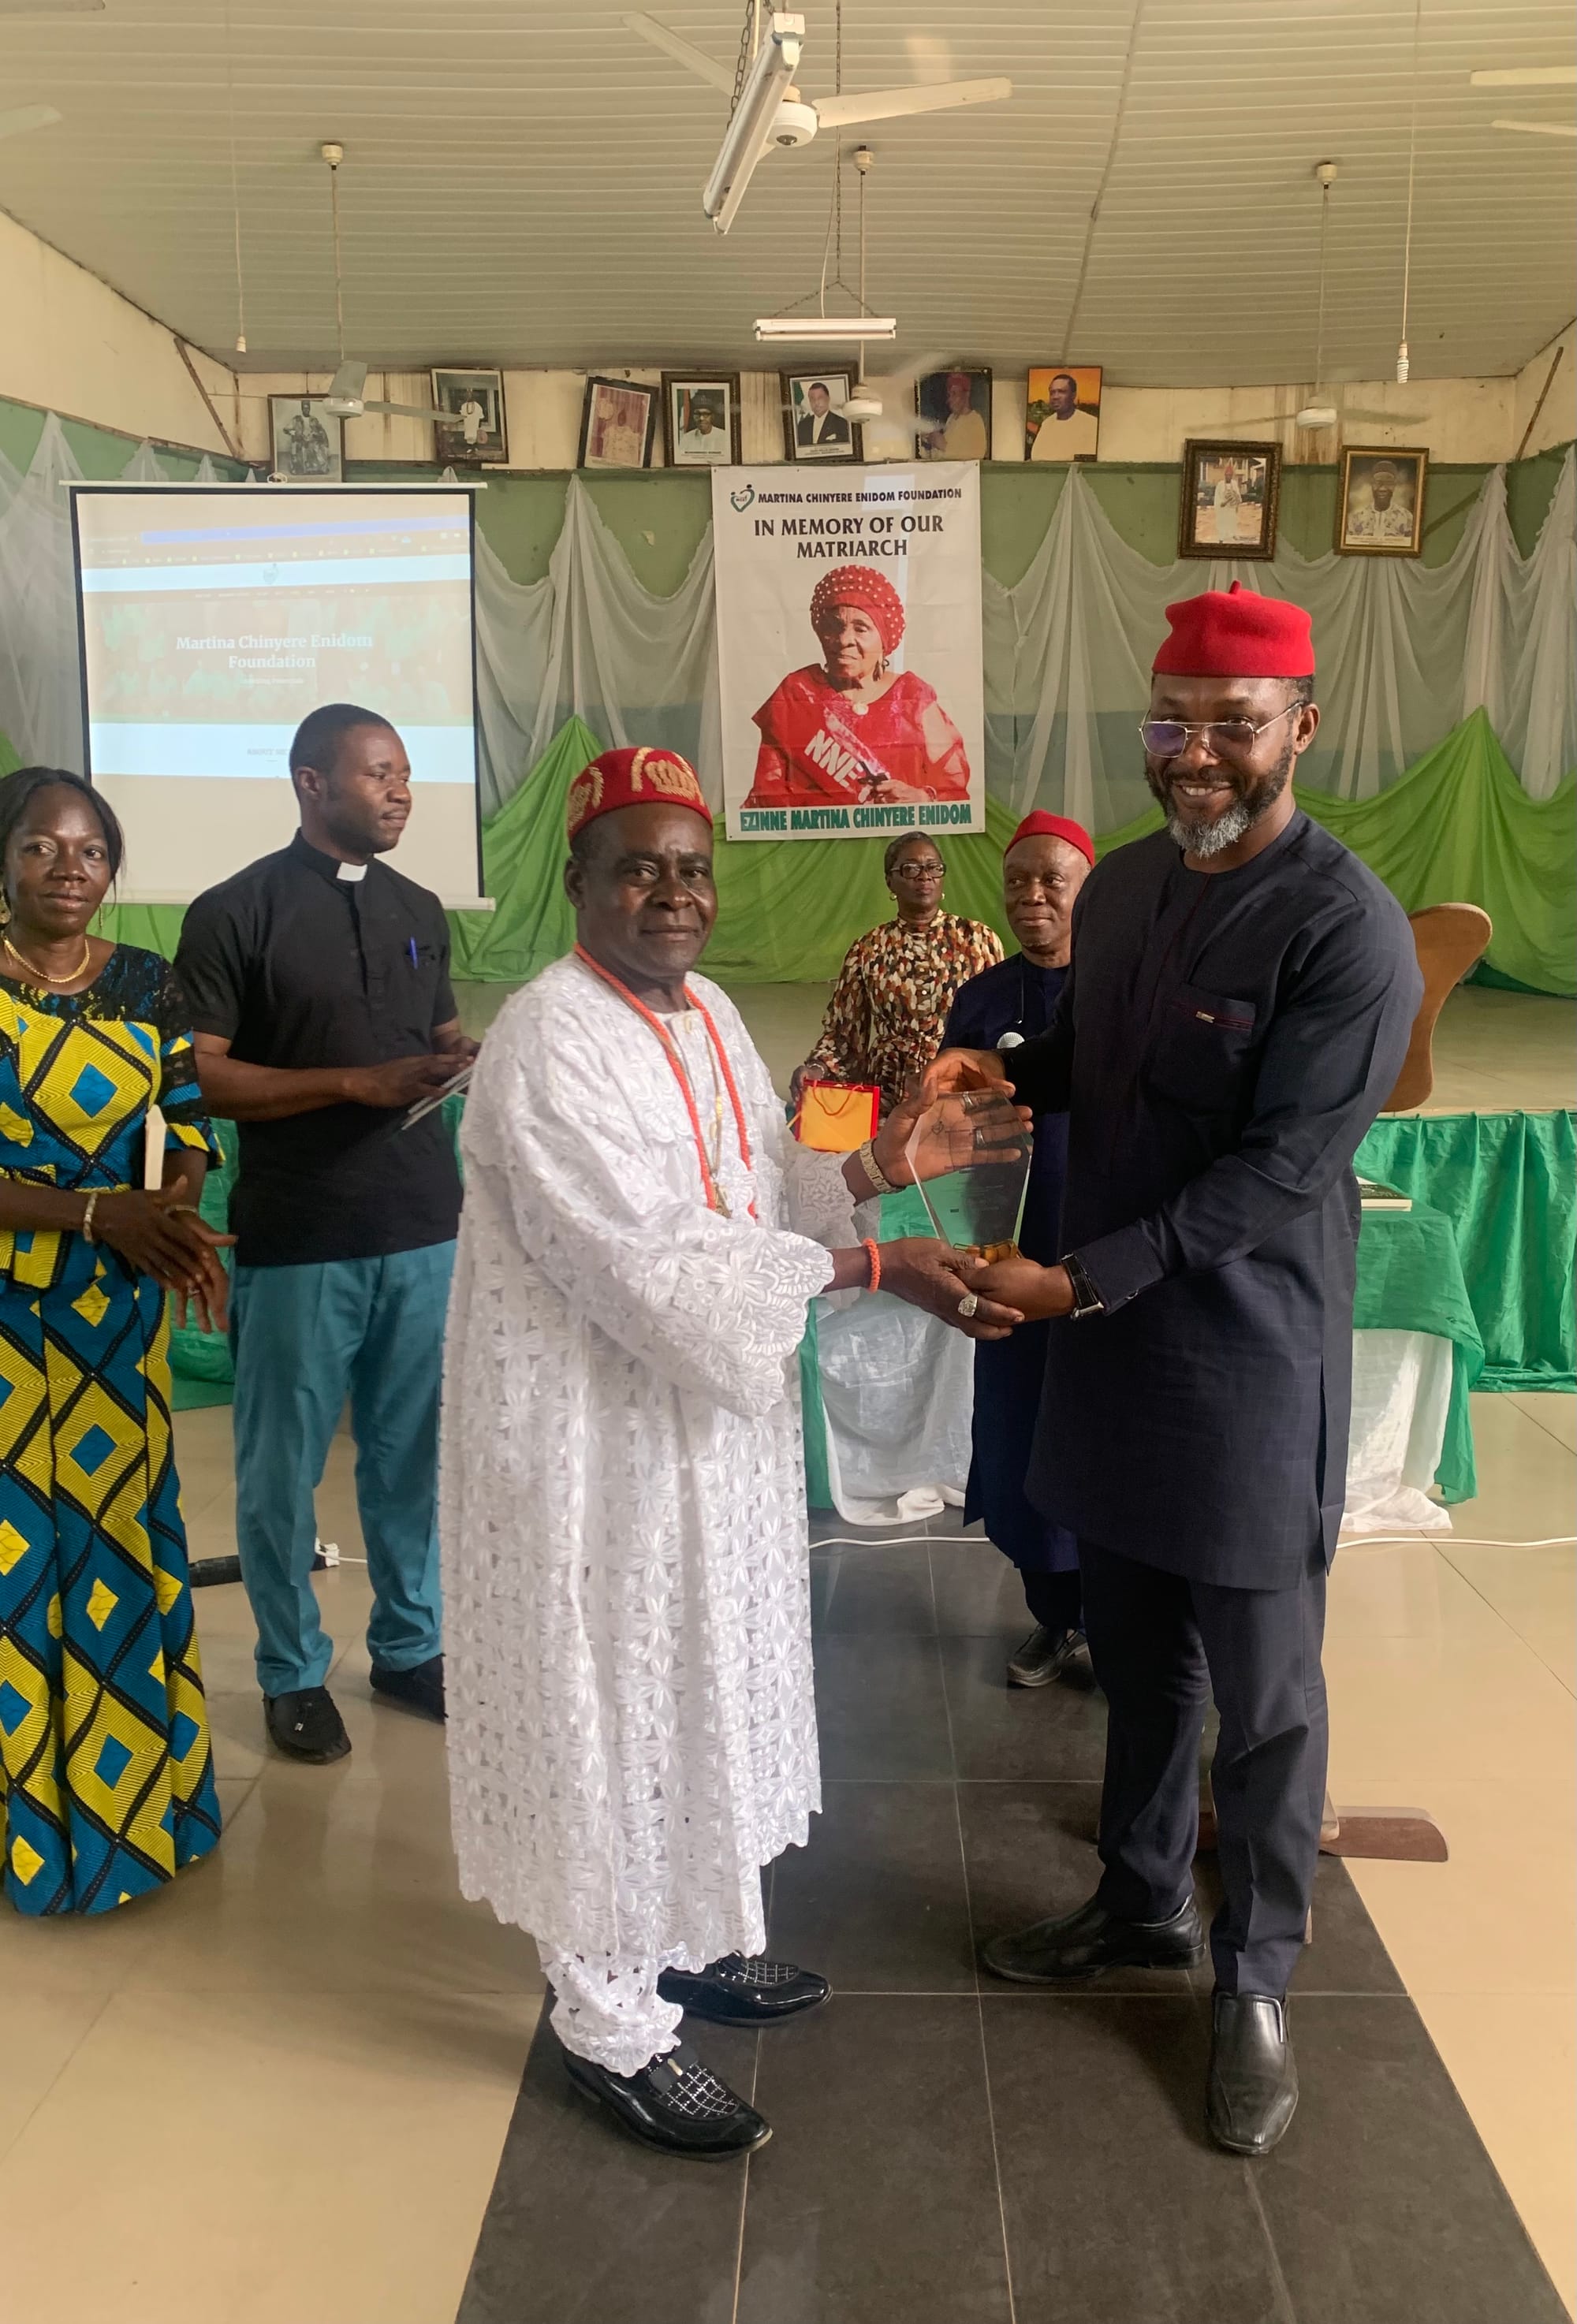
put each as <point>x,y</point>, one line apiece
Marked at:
<point>106,1783</point>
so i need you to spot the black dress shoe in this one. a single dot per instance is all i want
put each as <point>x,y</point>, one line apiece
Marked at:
<point>1046,1655</point>
<point>676,2104</point>
<point>1087,1943</point>
<point>1252,2093</point>
<point>421,1689</point>
<point>306,1725</point>
<point>735,1991</point>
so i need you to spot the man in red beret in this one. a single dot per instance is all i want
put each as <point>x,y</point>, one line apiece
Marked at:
<point>1044,866</point>
<point>1237,1013</point>
<point>632,1727</point>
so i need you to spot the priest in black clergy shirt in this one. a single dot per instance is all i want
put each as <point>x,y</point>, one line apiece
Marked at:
<point>1238,1009</point>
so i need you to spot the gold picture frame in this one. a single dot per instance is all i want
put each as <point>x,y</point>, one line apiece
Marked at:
<point>1377,514</point>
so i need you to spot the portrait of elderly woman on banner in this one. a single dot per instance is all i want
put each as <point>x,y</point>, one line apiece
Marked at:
<point>854,728</point>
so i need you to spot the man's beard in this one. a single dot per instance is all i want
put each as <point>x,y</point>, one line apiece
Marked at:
<point>1213,835</point>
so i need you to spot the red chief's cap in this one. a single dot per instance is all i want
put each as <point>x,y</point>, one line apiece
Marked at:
<point>1237,634</point>
<point>1041,825</point>
<point>642,778</point>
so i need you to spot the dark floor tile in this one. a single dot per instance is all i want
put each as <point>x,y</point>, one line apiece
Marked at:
<point>886,1590</point>
<point>1382,2203</point>
<point>977,1590</point>
<point>876,2200</point>
<point>1346,1955</point>
<point>1117,2208</point>
<point>584,2226</point>
<point>1030,1853</point>
<point>1007,1734</point>
<point>877,1901</point>
<point>879,1706</point>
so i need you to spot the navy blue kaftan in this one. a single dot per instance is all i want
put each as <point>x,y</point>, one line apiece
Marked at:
<point>1016,997</point>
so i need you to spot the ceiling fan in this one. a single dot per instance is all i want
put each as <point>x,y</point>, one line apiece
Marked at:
<point>1319,413</point>
<point>345,397</point>
<point>1531,76</point>
<point>768,108</point>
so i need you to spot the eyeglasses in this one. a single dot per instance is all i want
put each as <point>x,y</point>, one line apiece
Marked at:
<point>1224,738</point>
<point>919,871</point>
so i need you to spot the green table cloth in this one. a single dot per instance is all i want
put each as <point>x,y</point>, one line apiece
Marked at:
<point>1409,1279</point>
<point>1507,1183</point>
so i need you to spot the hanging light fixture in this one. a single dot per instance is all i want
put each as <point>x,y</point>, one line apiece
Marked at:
<point>1402,363</point>
<point>235,186</point>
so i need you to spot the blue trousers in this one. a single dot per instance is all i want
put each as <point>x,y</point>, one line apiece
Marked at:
<point>304,1337</point>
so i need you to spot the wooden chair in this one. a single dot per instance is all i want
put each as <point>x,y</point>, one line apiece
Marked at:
<point>1449,938</point>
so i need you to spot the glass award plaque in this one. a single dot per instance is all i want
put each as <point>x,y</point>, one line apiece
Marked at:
<point>970,1154</point>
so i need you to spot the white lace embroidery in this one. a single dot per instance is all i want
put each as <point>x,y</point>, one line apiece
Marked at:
<point>630,1721</point>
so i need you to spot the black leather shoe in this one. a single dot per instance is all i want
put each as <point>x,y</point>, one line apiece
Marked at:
<point>421,1689</point>
<point>735,1991</point>
<point>1087,1943</point>
<point>306,1725</point>
<point>676,2104</point>
<point>1046,1655</point>
<point>1252,2093</point>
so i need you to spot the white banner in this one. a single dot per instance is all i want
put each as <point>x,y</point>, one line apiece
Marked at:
<point>849,650</point>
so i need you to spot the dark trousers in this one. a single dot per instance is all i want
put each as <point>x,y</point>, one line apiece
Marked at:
<point>1053,1599</point>
<point>1161,1645</point>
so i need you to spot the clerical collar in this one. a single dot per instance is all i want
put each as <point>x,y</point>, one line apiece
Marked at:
<point>329,866</point>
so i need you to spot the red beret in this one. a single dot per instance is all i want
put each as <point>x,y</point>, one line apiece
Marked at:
<point>1041,825</point>
<point>873,592</point>
<point>1237,634</point>
<point>643,777</point>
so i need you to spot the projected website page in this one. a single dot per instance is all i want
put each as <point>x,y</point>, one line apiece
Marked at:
<point>213,622</point>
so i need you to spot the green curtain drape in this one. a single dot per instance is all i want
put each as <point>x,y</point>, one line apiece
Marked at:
<point>1457,828</point>
<point>1507,1182</point>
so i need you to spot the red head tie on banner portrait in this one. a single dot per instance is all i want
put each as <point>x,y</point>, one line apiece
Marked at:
<point>873,592</point>
<point>1236,633</point>
<point>633,778</point>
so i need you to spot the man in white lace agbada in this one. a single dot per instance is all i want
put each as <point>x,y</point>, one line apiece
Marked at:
<point>631,1727</point>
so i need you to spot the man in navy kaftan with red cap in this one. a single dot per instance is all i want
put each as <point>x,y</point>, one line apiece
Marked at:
<point>1238,1008</point>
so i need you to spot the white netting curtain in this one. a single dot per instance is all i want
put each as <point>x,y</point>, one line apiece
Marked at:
<point>1405,651</point>
<point>40,695</point>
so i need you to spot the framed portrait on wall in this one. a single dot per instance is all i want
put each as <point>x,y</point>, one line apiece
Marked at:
<point>1230,493</point>
<point>308,439</point>
<point>1062,412</point>
<point>814,426</point>
<point>472,426</point>
<point>1380,502</point>
<point>952,414</point>
<point>700,419</point>
<point>617,423</point>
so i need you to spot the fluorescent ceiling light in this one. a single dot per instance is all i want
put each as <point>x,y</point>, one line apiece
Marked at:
<point>1539,128</point>
<point>827,331</point>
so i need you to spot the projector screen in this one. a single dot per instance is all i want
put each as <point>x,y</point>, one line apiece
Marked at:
<point>213,620</point>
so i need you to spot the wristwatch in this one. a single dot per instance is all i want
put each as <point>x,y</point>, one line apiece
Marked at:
<point>866,1155</point>
<point>1087,1300</point>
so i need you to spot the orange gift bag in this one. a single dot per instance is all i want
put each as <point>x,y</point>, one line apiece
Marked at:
<point>836,1118</point>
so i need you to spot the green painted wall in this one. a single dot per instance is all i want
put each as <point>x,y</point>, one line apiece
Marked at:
<point>102,452</point>
<point>659,518</point>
